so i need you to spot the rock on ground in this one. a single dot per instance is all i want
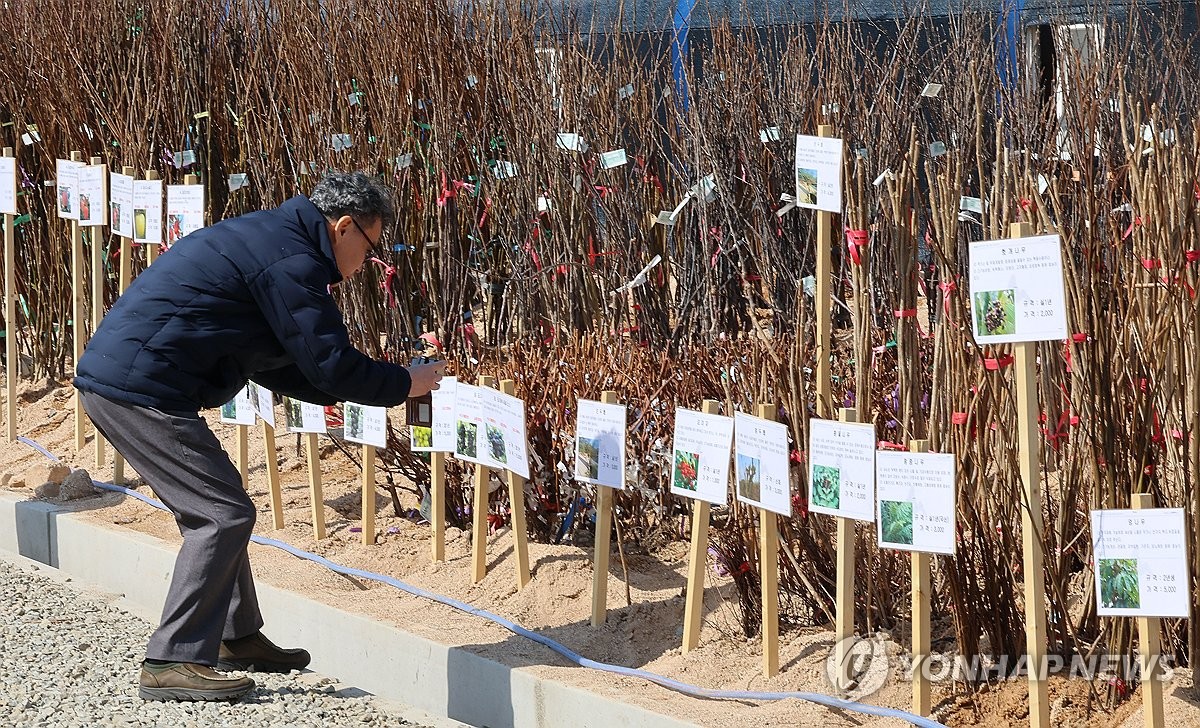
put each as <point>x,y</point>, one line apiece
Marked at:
<point>72,659</point>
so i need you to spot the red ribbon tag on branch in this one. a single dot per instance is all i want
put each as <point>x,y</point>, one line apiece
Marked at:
<point>997,364</point>
<point>905,313</point>
<point>856,239</point>
<point>947,288</point>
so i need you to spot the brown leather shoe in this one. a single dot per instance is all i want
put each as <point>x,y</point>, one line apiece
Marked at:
<point>189,681</point>
<point>257,653</point>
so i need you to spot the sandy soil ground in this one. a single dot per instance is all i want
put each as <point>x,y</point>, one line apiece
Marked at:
<point>644,634</point>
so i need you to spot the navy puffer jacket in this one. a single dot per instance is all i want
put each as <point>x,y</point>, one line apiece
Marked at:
<point>247,298</point>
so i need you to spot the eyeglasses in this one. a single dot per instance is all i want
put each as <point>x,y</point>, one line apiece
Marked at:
<point>375,248</point>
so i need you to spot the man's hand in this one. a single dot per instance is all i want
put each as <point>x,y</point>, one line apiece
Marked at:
<point>425,378</point>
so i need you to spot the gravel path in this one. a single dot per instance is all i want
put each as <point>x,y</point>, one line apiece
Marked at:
<point>70,658</point>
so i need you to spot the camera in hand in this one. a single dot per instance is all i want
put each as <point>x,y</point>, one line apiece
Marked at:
<point>419,410</point>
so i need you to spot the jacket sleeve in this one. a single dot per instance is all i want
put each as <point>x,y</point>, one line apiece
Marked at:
<point>290,382</point>
<point>293,294</point>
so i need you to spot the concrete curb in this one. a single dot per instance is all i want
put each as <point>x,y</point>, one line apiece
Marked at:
<point>447,682</point>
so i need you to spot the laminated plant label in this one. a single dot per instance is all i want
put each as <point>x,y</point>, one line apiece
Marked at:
<point>92,195</point>
<point>615,158</point>
<point>439,437</point>
<point>120,204</point>
<point>239,410</point>
<point>468,420</point>
<point>302,416</point>
<point>148,211</point>
<point>502,438</point>
<point>185,211</point>
<point>571,142</point>
<point>915,501</point>
<point>760,463</point>
<point>365,424</point>
<point>1140,562</point>
<point>8,186</point>
<point>700,456</point>
<point>1017,290</point>
<point>819,173</point>
<point>600,443</point>
<point>841,470</point>
<point>66,191</point>
<point>263,402</point>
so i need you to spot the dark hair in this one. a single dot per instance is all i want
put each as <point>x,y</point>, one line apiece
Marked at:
<point>356,194</point>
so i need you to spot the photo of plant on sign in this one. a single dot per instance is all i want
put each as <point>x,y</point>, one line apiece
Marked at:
<point>687,466</point>
<point>495,440</point>
<point>896,520</point>
<point>354,421</point>
<point>467,432</point>
<point>806,186</point>
<point>827,486</point>
<point>995,312</point>
<point>295,414</point>
<point>587,461</point>
<point>749,477</point>
<point>85,207</point>
<point>1119,584</point>
<point>422,436</point>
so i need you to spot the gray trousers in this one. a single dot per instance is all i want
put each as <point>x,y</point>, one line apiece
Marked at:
<point>212,590</point>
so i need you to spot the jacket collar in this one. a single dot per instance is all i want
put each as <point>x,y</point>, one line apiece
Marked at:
<point>315,228</point>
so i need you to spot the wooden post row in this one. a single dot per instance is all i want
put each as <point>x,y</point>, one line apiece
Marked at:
<point>312,449</point>
<point>844,601</point>
<point>368,495</point>
<point>603,544</point>
<point>152,248</point>
<point>516,502</point>
<point>768,565</point>
<point>437,504</point>
<point>96,238</point>
<point>1149,650</point>
<point>77,326</point>
<point>693,608</point>
<point>922,691</point>
<point>1029,458</point>
<point>12,365</point>
<point>273,486</point>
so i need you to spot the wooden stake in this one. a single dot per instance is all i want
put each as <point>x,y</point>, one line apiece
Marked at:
<point>844,614</point>
<point>368,495</point>
<point>273,476</point>
<point>693,609</point>
<point>823,303</point>
<point>1148,652</point>
<point>1030,456</point>
<point>437,503</point>
<point>152,248</point>
<point>126,269</point>
<point>516,501</point>
<point>479,512</point>
<point>77,326</point>
<point>312,448</point>
<point>97,239</point>
<point>603,545</point>
<point>10,324</point>
<point>922,690</point>
<point>243,454</point>
<point>768,565</point>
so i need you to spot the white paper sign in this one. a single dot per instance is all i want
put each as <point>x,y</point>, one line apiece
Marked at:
<point>502,439</point>
<point>263,402</point>
<point>239,410</point>
<point>365,424</point>
<point>1140,562</point>
<point>819,173</point>
<point>760,463</point>
<point>238,180</point>
<point>93,195</point>
<point>148,211</point>
<point>120,204</point>
<point>700,462</point>
<point>439,437</point>
<point>504,170</point>
<point>67,188</point>
<point>770,134</point>
<point>303,416</point>
<point>1017,290</point>
<point>916,501</point>
<point>615,158</point>
<point>185,211</point>
<point>468,420</point>
<point>8,186</point>
<point>571,142</point>
<point>841,470</point>
<point>600,443</point>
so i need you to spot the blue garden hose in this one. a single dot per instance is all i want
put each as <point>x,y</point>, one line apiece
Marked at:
<point>563,650</point>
